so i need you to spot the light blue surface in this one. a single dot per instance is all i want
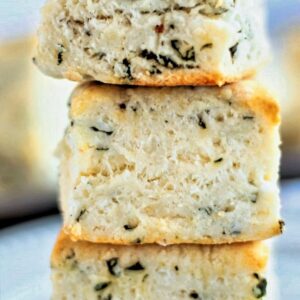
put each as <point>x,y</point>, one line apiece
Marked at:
<point>24,259</point>
<point>287,247</point>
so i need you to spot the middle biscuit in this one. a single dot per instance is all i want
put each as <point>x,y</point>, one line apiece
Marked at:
<point>171,165</point>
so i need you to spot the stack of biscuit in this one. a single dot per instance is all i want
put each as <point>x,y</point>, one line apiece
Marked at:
<point>169,166</point>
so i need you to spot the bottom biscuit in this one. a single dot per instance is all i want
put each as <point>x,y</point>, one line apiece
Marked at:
<point>82,270</point>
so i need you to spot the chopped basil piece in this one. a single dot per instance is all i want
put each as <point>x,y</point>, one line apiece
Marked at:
<point>160,59</point>
<point>145,277</point>
<point>254,197</point>
<point>194,295</point>
<point>102,149</point>
<point>201,122</point>
<point>81,213</point>
<point>248,117</point>
<point>218,160</point>
<point>136,267</point>
<point>71,255</point>
<point>127,64</point>
<point>180,48</point>
<point>207,46</point>
<point>208,210</point>
<point>281,225</point>
<point>60,54</point>
<point>123,106</point>
<point>101,286</point>
<point>111,265</point>
<point>236,232</point>
<point>233,51</point>
<point>130,226</point>
<point>59,58</point>
<point>260,290</point>
<point>103,131</point>
<point>137,241</point>
<point>154,70</point>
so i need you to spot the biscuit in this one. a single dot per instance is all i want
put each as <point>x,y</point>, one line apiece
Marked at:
<point>82,270</point>
<point>152,43</point>
<point>171,165</point>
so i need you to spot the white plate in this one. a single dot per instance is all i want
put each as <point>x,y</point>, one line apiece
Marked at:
<point>24,259</point>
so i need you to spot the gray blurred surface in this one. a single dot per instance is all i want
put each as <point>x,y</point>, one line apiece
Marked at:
<point>287,246</point>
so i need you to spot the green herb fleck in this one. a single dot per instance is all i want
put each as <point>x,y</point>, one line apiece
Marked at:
<point>260,290</point>
<point>206,46</point>
<point>127,64</point>
<point>281,226</point>
<point>60,54</point>
<point>123,106</point>
<point>102,148</point>
<point>194,295</point>
<point>136,267</point>
<point>218,160</point>
<point>236,232</point>
<point>130,226</point>
<point>103,131</point>
<point>248,118</point>
<point>160,59</point>
<point>233,51</point>
<point>137,241</point>
<point>154,70</point>
<point>254,197</point>
<point>71,254</point>
<point>111,265</point>
<point>184,52</point>
<point>81,213</point>
<point>208,210</point>
<point>101,286</point>
<point>201,122</point>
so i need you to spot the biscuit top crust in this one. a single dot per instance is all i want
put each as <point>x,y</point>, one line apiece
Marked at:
<point>252,256</point>
<point>211,8</point>
<point>89,97</point>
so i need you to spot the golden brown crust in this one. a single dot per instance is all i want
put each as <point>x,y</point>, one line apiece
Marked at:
<point>248,93</point>
<point>258,99</point>
<point>76,235</point>
<point>184,77</point>
<point>250,255</point>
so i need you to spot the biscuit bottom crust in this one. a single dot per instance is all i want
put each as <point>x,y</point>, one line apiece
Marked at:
<point>184,77</point>
<point>78,235</point>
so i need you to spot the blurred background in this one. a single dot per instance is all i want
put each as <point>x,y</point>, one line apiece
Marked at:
<point>33,115</point>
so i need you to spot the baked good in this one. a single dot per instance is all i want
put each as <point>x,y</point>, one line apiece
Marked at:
<point>156,43</point>
<point>28,131</point>
<point>291,100</point>
<point>18,155</point>
<point>283,79</point>
<point>82,270</point>
<point>171,165</point>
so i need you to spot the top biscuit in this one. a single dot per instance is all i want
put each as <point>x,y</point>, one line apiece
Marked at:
<point>152,43</point>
